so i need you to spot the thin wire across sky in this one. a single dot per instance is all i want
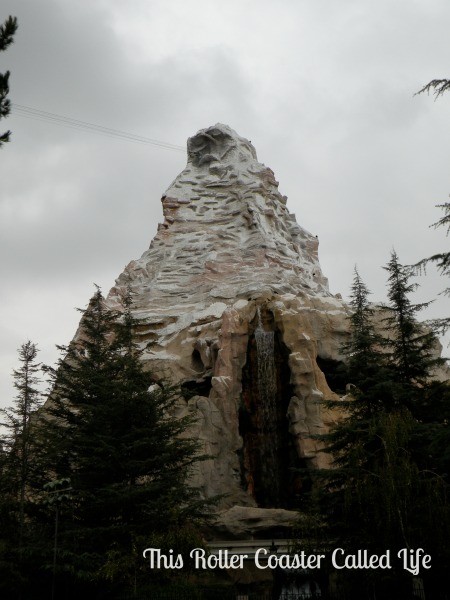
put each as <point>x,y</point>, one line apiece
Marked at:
<point>42,115</point>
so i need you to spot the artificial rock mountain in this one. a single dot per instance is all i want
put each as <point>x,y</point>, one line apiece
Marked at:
<point>234,306</point>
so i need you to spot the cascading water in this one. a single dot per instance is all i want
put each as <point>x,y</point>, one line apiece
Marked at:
<point>267,388</point>
<point>269,463</point>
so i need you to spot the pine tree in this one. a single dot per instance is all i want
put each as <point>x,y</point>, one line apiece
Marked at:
<point>366,366</point>
<point>16,470</point>
<point>369,378</point>
<point>7,31</point>
<point>412,348</point>
<point>355,442</point>
<point>362,370</point>
<point>410,344</point>
<point>110,431</point>
<point>18,423</point>
<point>377,491</point>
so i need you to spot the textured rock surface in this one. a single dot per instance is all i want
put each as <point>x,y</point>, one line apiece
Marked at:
<point>228,256</point>
<point>243,521</point>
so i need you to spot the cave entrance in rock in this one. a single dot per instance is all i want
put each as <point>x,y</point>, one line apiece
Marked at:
<point>268,456</point>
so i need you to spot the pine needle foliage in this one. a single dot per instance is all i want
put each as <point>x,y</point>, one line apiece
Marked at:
<point>380,492</point>
<point>436,86</point>
<point>17,471</point>
<point>442,262</point>
<point>366,368</point>
<point>442,259</point>
<point>355,443</point>
<point>7,31</point>
<point>410,345</point>
<point>18,443</point>
<point>109,429</point>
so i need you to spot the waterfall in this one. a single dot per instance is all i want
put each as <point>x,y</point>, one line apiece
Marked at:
<point>268,434</point>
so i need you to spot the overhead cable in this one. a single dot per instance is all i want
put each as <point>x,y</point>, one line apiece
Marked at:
<point>43,115</point>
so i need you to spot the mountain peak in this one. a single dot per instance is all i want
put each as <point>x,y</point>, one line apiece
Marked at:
<point>227,232</point>
<point>232,305</point>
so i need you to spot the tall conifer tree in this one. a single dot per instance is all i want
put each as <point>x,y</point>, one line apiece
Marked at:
<point>366,363</point>
<point>376,491</point>
<point>410,345</point>
<point>18,442</point>
<point>17,470</point>
<point>110,431</point>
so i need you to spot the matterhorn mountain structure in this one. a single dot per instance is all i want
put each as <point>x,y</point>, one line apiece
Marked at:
<point>233,306</point>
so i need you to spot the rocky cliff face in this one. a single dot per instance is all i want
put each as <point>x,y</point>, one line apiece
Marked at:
<point>234,306</point>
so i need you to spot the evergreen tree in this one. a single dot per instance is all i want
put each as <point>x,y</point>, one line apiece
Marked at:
<point>365,362</point>
<point>109,430</point>
<point>7,31</point>
<point>378,495</point>
<point>18,442</point>
<point>16,467</point>
<point>410,344</point>
<point>355,442</point>
<point>369,391</point>
<point>412,350</point>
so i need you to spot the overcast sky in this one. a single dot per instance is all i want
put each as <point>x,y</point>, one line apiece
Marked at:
<point>323,89</point>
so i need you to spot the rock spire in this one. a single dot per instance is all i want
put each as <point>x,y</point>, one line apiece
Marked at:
<point>230,258</point>
<point>227,233</point>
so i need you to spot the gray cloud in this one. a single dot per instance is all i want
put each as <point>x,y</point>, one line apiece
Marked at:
<point>324,90</point>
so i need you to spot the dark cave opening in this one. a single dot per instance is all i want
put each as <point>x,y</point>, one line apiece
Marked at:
<point>198,387</point>
<point>197,363</point>
<point>335,374</point>
<point>269,461</point>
